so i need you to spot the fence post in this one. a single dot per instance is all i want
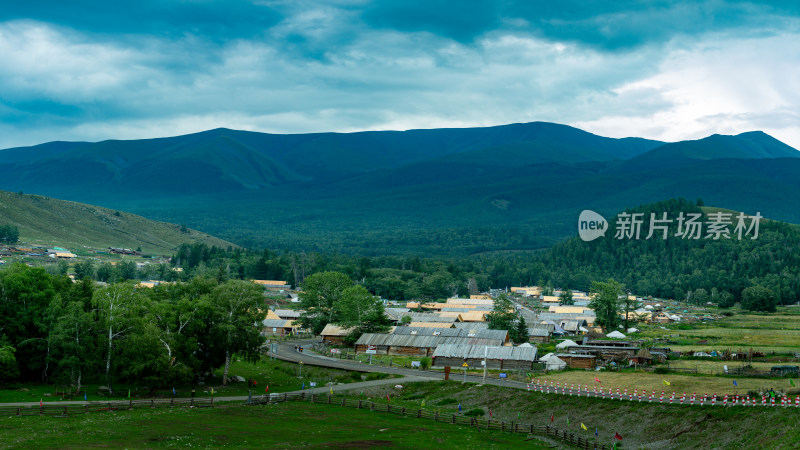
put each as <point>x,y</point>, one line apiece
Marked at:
<point>371,406</point>
<point>454,418</point>
<point>403,412</point>
<point>344,401</point>
<point>419,413</point>
<point>359,404</point>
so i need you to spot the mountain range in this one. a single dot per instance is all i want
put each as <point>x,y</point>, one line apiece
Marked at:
<point>438,191</point>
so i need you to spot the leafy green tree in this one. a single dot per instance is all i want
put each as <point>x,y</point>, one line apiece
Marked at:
<point>24,299</point>
<point>9,234</point>
<point>725,299</point>
<point>358,308</point>
<point>699,297</point>
<point>9,371</point>
<point>758,298</point>
<point>606,303</point>
<point>120,309</point>
<point>237,321</point>
<point>84,269</point>
<point>73,342</point>
<point>321,291</point>
<point>565,298</point>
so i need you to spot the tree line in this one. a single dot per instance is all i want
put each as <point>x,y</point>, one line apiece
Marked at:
<point>55,331</point>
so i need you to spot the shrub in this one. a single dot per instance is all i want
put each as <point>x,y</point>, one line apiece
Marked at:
<point>661,370</point>
<point>475,412</point>
<point>424,363</point>
<point>447,401</point>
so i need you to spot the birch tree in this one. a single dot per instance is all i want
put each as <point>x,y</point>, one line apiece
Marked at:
<point>237,320</point>
<point>119,308</point>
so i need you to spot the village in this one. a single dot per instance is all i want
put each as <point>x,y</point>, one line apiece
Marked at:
<point>455,334</point>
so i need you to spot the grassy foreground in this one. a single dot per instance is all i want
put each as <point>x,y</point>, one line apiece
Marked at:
<point>285,425</point>
<point>280,376</point>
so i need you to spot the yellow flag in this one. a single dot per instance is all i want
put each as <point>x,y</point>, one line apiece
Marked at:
<point>583,426</point>
<point>212,391</point>
<point>423,403</point>
<point>331,390</point>
<point>666,383</point>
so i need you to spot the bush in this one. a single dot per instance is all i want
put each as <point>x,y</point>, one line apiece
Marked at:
<point>661,370</point>
<point>424,363</point>
<point>447,401</point>
<point>475,412</point>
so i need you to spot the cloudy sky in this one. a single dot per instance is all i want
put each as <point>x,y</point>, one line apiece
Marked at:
<point>670,70</point>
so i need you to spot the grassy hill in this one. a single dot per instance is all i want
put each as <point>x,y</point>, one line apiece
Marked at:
<point>47,221</point>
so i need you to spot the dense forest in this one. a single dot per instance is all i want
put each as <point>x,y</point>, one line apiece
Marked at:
<point>699,270</point>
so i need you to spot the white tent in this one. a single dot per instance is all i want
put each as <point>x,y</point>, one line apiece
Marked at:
<point>633,330</point>
<point>566,344</point>
<point>555,363</point>
<point>546,357</point>
<point>583,329</point>
<point>648,307</point>
<point>525,345</point>
<point>615,335</point>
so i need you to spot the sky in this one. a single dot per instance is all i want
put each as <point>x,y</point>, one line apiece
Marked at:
<point>89,70</point>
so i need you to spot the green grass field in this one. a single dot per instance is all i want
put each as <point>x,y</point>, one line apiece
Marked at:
<point>280,376</point>
<point>285,425</point>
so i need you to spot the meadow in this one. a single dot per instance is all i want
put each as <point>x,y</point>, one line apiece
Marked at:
<point>280,376</point>
<point>284,425</point>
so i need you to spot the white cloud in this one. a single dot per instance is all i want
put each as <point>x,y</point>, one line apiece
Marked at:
<point>726,86</point>
<point>383,79</point>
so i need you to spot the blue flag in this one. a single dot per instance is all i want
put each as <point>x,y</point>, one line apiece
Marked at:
<point>84,397</point>
<point>459,407</point>
<point>304,385</point>
<point>595,431</point>
<point>734,383</point>
<point>173,391</point>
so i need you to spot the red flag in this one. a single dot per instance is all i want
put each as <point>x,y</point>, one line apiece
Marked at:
<point>552,416</point>
<point>40,402</point>
<point>490,413</point>
<point>266,389</point>
<point>387,397</point>
<point>617,436</point>
<point>596,380</point>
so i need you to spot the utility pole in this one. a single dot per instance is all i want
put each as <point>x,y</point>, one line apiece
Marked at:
<point>485,354</point>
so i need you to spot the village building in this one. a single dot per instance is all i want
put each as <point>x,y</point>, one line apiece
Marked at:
<point>455,355</point>
<point>334,334</point>
<point>273,285</point>
<point>422,344</point>
<point>578,361</point>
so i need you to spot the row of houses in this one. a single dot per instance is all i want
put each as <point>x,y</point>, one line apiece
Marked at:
<point>412,341</point>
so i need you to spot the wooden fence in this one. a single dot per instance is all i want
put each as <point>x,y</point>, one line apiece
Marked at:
<point>488,424</point>
<point>52,409</point>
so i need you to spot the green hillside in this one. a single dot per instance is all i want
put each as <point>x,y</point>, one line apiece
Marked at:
<point>434,192</point>
<point>47,221</point>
